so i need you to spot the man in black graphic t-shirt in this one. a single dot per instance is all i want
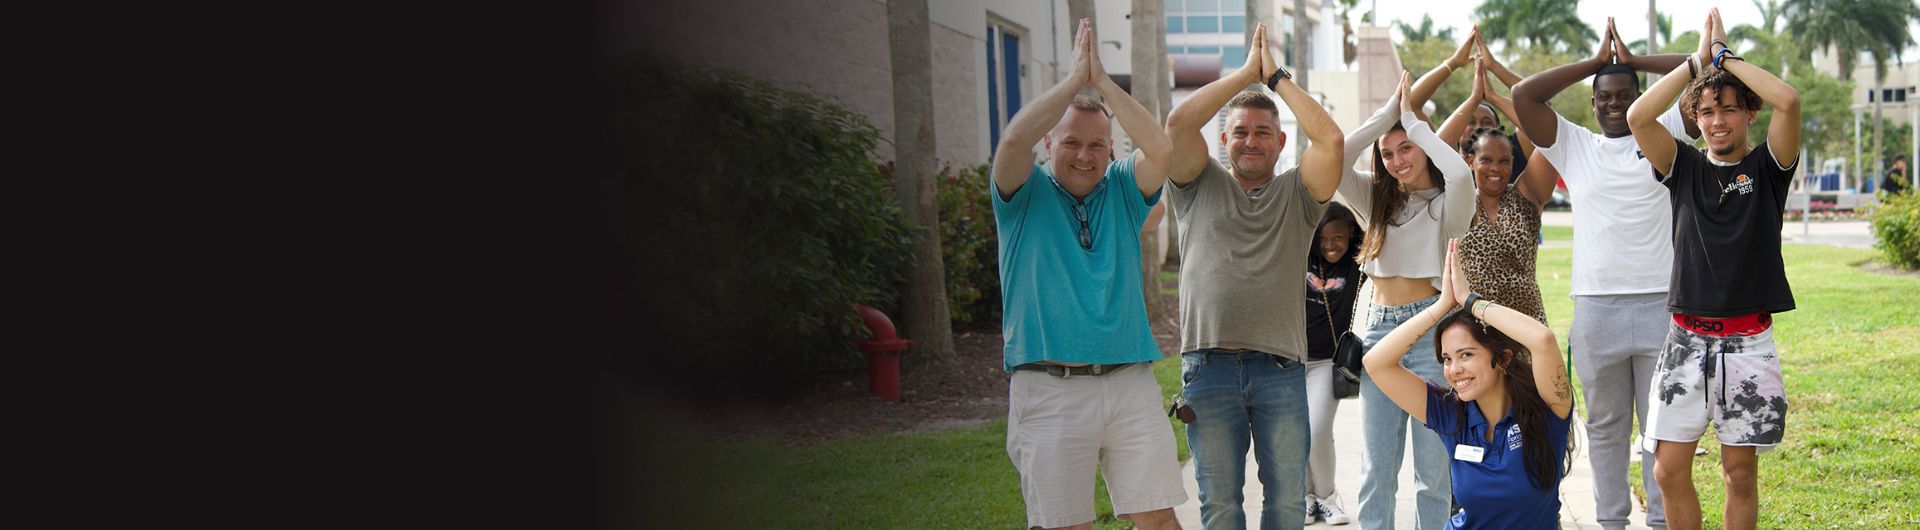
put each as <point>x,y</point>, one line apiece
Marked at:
<point>1719,365</point>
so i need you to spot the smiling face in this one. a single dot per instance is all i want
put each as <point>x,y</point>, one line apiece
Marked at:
<point>1254,141</point>
<point>1492,162</point>
<point>1080,146</point>
<point>1612,94</point>
<point>1332,242</point>
<point>1723,120</point>
<point>1405,161</point>
<point>1468,365</point>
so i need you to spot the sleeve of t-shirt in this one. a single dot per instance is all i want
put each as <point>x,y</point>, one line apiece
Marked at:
<point>1120,178</point>
<point>1181,197</point>
<point>1570,140</point>
<point>1442,415</point>
<point>1685,157</point>
<point>1780,178</point>
<point>1310,210</point>
<point>1010,212</point>
<point>1675,123</point>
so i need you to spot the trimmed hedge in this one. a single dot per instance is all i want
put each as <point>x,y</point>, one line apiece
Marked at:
<point>777,218</point>
<point>1896,228</point>
<point>971,247</point>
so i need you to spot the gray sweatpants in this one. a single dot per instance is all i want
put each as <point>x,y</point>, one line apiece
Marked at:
<point>1616,342</point>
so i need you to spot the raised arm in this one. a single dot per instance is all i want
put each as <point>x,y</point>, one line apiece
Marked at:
<point>1549,372</point>
<point>1430,82</point>
<point>1461,120</point>
<point>1783,132</point>
<point>1459,177</point>
<point>1320,164</point>
<point>1383,361</point>
<point>1154,150</point>
<point>1506,106</point>
<point>1653,64</point>
<point>1356,186</point>
<point>1498,69</point>
<point>1643,118</point>
<point>1536,184</point>
<point>1533,115</point>
<point>1013,161</point>
<point>1183,124</point>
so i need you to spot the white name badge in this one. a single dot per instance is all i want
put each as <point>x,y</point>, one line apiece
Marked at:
<point>1468,453</point>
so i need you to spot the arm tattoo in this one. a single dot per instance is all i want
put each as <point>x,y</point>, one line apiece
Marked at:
<point>1560,389</point>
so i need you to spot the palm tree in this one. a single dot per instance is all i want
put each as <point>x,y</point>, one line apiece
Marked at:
<point>1424,32</point>
<point>1666,34</point>
<point>1149,62</point>
<point>1765,47</point>
<point>1847,26</point>
<point>1544,25</point>
<point>924,301</point>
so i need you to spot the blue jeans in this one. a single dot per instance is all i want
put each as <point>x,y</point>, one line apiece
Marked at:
<point>1386,433</point>
<point>1242,397</point>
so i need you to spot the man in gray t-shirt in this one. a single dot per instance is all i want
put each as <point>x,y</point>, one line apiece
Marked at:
<point>1244,235</point>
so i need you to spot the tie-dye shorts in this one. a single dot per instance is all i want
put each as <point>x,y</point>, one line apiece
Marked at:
<point>1733,382</point>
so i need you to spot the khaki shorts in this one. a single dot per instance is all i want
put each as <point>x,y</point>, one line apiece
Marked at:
<point>1732,382</point>
<point>1060,429</point>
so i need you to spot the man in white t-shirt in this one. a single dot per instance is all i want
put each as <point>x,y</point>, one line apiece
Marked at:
<point>1622,256</point>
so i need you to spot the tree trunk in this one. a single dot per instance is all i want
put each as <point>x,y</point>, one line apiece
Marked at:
<point>1302,62</point>
<point>925,318</point>
<point>1253,22</point>
<point>1149,64</point>
<point>1879,131</point>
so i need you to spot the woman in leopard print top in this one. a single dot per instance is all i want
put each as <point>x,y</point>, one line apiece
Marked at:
<point>1500,247</point>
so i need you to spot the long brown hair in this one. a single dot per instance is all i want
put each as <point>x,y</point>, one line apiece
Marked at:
<point>1515,364</point>
<point>1389,199</point>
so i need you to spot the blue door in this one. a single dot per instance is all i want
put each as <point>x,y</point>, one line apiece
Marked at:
<point>1003,80</point>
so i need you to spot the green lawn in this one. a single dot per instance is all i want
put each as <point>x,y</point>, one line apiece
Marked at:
<point>1851,354</point>
<point>1558,233</point>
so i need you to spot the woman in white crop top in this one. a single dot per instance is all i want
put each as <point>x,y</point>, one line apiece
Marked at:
<point>1411,204</point>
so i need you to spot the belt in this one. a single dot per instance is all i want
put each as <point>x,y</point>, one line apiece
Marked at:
<point>1064,372</point>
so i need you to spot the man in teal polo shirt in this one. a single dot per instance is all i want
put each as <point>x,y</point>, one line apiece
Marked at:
<point>1082,394</point>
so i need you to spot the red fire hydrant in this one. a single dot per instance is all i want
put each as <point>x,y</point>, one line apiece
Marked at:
<point>883,349</point>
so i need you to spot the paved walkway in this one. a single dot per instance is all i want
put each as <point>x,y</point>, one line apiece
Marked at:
<point>1851,234</point>
<point>1576,491</point>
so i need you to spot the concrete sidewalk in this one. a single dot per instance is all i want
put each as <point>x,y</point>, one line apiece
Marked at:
<point>1576,491</point>
<point>1850,234</point>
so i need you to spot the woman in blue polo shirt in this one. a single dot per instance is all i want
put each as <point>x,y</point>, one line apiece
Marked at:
<point>1500,363</point>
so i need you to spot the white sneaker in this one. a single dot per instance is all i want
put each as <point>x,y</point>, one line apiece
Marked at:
<point>1333,514</point>
<point>1313,509</point>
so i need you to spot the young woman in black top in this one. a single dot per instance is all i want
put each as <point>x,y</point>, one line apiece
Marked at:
<point>1333,278</point>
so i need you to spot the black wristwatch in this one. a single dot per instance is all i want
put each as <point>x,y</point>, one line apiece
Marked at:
<point>1278,74</point>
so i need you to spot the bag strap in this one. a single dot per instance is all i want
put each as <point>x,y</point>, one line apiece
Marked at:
<point>1328,306</point>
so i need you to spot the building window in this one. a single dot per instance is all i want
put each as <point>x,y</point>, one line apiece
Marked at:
<point>1203,24</point>
<point>1234,57</point>
<point>1176,25</point>
<point>1233,24</point>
